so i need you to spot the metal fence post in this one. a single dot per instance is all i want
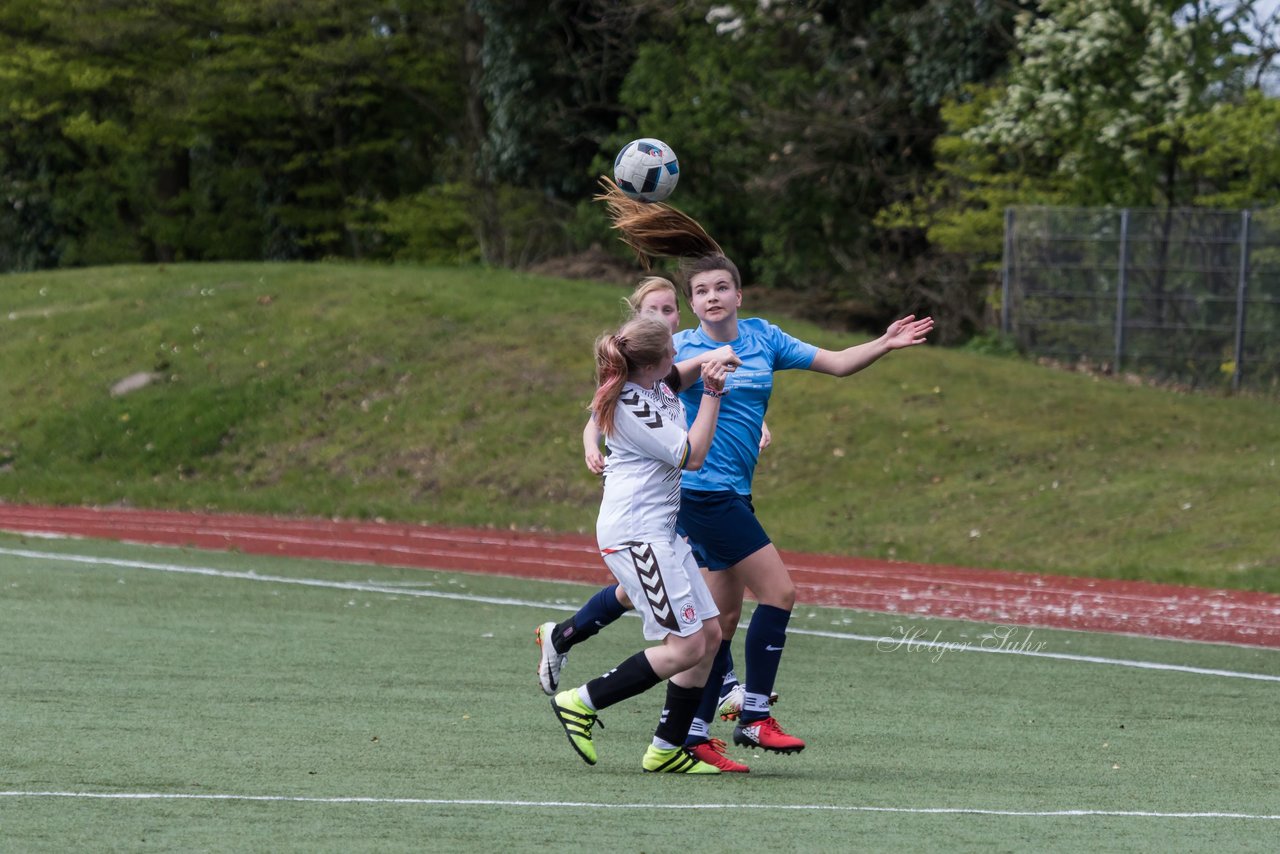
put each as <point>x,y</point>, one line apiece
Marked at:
<point>1242,290</point>
<point>1006,273</point>
<point>1122,287</point>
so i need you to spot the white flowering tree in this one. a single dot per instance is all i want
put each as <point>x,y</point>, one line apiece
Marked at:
<point>1101,93</point>
<point>1139,103</point>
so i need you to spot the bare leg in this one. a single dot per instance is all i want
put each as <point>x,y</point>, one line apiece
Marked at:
<point>726,589</point>
<point>766,576</point>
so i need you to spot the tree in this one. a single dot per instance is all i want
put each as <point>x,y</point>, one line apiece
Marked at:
<point>797,123</point>
<point>177,129</point>
<point>1100,106</point>
<point>1102,92</point>
<point>68,150</point>
<point>318,111</point>
<point>1235,149</point>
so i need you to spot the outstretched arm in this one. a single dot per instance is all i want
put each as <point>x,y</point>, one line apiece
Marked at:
<point>906,332</point>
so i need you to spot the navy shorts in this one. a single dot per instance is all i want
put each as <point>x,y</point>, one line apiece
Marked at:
<point>721,527</point>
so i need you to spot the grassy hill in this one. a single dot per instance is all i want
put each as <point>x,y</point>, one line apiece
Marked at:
<point>457,396</point>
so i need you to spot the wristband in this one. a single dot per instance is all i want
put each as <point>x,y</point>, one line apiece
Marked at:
<point>709,393</point>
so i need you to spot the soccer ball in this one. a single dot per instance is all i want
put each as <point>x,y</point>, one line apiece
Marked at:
<point>646,170</point>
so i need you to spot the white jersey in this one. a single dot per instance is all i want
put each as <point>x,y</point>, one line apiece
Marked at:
<point>647,449</point>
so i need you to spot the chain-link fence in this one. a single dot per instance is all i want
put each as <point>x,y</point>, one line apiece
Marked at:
<point>1187,295</point>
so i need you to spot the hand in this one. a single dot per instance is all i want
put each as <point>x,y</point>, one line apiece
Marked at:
<point>713,374</point>
<point>591,447</point>
<point>766,438</point>
<point>907,332</point>
<point>725,356</point>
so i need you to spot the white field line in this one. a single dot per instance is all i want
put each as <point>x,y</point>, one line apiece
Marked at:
<point>1011,647</point>
<point>994,607</point>
<point>910,643</point>
<point>595,805</point>
<point>1228,614</point>
<point>276,579</point>
<point>1265,613</point>
<point>360,546</point>
<point>295,534</point>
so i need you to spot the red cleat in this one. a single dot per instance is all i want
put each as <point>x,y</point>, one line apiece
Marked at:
<point>712,753</point>
<point>767,735</point>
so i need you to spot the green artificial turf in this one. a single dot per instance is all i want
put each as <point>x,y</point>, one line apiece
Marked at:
<point>142,680</point>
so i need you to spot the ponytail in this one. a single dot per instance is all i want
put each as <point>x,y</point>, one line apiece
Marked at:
<point>641,342</point>
<point>611,375</point>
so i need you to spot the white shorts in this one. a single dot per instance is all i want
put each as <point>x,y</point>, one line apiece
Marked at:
<point>664,584</point>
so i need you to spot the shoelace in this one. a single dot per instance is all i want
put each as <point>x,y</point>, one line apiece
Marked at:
<point>577,722</point>
<point>586,728</point>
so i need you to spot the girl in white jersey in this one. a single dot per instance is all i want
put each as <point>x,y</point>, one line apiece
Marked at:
<point>649,447</point>
<point>656,296</point>
<point>716,512</point>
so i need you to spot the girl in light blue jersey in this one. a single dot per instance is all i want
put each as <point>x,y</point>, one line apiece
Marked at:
<point>716,513</point>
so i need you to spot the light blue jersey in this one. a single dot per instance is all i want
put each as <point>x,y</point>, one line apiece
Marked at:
<point>763,349</point>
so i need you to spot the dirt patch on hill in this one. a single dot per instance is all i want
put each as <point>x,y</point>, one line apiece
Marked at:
<point>595,264</point>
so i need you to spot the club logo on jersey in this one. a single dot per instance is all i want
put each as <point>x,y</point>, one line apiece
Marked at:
<point>689,615</point>
<point>646,566</point>
<point>648,416</point>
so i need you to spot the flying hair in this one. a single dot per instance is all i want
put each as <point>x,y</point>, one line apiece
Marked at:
<point>654,229</point>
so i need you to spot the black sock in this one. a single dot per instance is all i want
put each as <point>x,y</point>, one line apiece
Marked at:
<point>631,677</point>
<point>682,703</point>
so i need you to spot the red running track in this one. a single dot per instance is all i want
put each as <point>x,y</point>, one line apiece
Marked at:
<point>1130,607</point>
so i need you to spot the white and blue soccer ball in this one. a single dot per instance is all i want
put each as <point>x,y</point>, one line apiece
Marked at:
<point>646,170</point>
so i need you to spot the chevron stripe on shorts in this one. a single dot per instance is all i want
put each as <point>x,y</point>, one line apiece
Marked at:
<point>646,566</point>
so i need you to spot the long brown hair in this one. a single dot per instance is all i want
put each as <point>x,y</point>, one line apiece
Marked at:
<point>654,229</point>
<point>657,230</point>
<point>641,342</point>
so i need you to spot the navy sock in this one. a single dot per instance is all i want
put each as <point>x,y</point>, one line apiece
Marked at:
<point>766,636</point>
<point>682,704</point>
<point>631,677</point>
<point>710,695</point>
<point>600,610</point>
<point>730,678</point>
